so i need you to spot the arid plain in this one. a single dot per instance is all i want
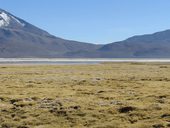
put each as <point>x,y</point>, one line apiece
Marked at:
<point>108,95</point>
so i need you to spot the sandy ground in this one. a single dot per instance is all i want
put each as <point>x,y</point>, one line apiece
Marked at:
<point>110,95</point>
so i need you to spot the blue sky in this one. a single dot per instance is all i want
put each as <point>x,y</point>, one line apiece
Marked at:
<point>94,21</point>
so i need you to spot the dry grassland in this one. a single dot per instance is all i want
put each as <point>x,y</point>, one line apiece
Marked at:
<point>112,95</point>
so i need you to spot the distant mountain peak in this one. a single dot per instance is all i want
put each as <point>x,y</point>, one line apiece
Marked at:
<point>18,38</point>
<point>4,19</point>
<point>8,20</point>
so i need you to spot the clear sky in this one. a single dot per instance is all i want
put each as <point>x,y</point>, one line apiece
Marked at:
<point>94,21</point>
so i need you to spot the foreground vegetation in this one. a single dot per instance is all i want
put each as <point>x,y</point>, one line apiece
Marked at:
<point>115,95</point>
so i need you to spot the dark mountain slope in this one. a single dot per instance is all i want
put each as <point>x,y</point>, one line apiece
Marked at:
<point>145,46</point>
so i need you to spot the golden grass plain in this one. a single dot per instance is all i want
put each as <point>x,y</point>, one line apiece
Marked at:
<point>108,95</point>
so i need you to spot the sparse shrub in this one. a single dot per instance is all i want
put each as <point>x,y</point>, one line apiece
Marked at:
<point>126,109</point>
<point>163,66</point>
<point>165,116</point>
<point>158,126</point>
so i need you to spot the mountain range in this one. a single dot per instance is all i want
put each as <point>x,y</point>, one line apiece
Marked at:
<point>20,39</point>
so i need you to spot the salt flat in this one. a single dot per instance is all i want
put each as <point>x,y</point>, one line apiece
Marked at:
<point>76,60</point>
